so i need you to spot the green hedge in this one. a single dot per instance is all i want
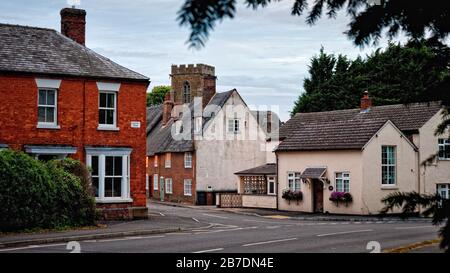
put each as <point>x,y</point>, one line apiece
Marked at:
<point>35,194</point>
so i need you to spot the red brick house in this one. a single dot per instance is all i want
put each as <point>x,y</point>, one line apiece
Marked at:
<point>58,98</point>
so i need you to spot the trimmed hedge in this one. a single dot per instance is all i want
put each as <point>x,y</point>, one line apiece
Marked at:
<point>35,194</point>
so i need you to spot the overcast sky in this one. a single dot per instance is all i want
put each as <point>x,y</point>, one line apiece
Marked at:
<point>263,54</point>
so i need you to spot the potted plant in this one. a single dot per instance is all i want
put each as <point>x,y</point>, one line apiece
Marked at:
<point>289,195</point>
<point>337,196</point>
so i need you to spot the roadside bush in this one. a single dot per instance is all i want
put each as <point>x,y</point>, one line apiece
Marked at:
<point>35,194</point>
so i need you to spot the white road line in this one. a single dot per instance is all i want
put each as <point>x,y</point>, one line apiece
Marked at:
<point>344,232</point>
<point>217,216</point>
<point>223,230</point>
<point>399,228</point>
<point>30,247</point>
<point>208,250</point>
<point>195,220</point>
<point>269,242</point>
<point>162,214</point>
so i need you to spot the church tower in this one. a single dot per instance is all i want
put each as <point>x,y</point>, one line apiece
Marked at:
<point>189,81</point>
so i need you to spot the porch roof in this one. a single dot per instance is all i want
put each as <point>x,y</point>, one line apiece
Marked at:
<point>316,172</point>
<point>266,169</point>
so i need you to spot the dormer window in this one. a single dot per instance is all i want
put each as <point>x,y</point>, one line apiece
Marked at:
<point>186,92</point>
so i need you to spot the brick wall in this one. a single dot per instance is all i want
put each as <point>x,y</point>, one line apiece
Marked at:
<point>177,172</point>
<point>18,120</point>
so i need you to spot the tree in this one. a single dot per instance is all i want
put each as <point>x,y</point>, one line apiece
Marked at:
<point>431,204</point>
<point>417,71</point>
<point>157,95</point>
<point>369,18</point>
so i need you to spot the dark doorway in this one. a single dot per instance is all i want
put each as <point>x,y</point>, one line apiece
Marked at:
<point>201,198</point>
<point>317,195</point>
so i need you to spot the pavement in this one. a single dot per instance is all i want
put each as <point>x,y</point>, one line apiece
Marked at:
<point>208,229</point>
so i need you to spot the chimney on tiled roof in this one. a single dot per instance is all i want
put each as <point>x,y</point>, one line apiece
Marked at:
<point>366,102</point>
<point>167,108</point>
<point>73,24</point>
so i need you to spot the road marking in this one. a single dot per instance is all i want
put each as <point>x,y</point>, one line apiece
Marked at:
<point>270,227</point>
<point>414,227</point>
<point>217,216</point>
<point>344,232</point>
<point>195,220</point>
<point>208,250</point>
<point>269,242</point>
<point>162,214</point>
<point>223,230</point>
<point>178,233</point>
<point>277,217</point>
<point>30,247</point>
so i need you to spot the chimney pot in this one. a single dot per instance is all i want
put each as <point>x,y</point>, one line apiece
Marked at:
<point>73,24</point>
<point>366,102</point>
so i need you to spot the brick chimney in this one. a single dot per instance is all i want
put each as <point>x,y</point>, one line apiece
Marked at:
<point>366,102</point>
<point>167,108</point>
<point>73,24</point>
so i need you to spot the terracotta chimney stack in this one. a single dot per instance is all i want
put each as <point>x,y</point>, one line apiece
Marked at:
<point>167,108</point>
<point>73,24</point>
<point>366,101</point>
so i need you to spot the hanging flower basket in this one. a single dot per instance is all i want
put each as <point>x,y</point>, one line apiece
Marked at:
<point>337,197</point>
<point>292,195</point>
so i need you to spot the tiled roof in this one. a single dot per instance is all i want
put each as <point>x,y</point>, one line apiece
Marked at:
<point>350,129</point>
<point>313,172</point>
<point>266,169</point>
<point>35,50</point>
<point>159,138</point>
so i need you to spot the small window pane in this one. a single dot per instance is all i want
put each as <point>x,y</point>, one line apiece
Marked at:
<point>50,115</point>
<point>95,185</point>
<point>117,187</point>
<point>41,114</point>
<point>110,117</point>
<point>109,165</point>
<point>42,97</point>
<point>118,165</point>
<point>94,165</point>
<point>50,97</point>
<point>110,101</point>
<point>102,100</point>
<point>102,116</point>
<point>108,187</point>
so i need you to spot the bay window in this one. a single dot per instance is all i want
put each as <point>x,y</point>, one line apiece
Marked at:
<point>110,168</point>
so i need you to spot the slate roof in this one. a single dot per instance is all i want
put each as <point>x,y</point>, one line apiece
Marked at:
<point>313,172</point>
<point>25,49</point>
<point>266,169</point>
<point>351,129</point>
<point>159,138</point>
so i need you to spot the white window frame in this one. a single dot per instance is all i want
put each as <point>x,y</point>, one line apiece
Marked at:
<point>294,178</point>
<point>168,182</point>
<point>443,188</point>
<point>102,153</point>
<point>168,160</point>
<point>388,165</point>
<point>342,177</point>
<point>234,125</point>
<point>102,126</point>
<point>155,182</point>
<point>187,185</point>
<point>45,124</point>
<point>442,144</point>
<point>271,179</point>
<point>187,160</point>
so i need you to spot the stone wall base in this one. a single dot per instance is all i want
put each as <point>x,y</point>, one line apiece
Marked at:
<point>111,212</point>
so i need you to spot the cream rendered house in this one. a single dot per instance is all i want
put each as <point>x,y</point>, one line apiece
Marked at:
<point>368,152</point>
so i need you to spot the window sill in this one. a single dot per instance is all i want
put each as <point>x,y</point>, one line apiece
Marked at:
<point>107,128</point>
<point>113,200</point>
<point>48,126</point>
<point>393,187</point>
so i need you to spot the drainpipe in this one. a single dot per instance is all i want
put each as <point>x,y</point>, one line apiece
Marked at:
<point>277,178</point>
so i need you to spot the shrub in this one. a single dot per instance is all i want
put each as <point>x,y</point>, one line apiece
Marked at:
<point>34,194</point>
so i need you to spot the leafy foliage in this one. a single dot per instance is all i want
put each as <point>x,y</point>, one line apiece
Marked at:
<point>432,205</point>
<point>369,18</point>
<point>35,194</point>
<point>417,71</point>
<point>157,95</point>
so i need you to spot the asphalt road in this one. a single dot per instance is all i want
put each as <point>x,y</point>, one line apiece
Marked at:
<point>236,233</point>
